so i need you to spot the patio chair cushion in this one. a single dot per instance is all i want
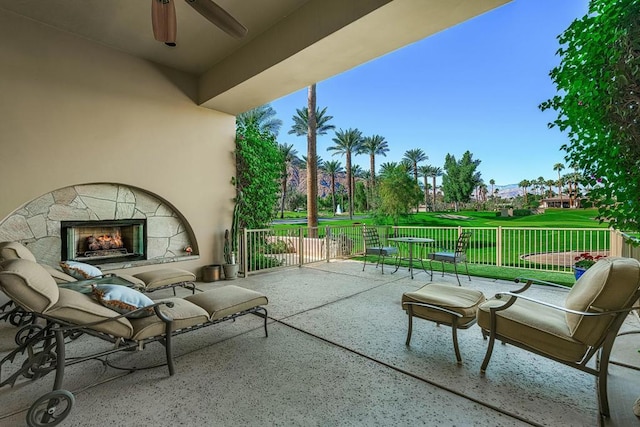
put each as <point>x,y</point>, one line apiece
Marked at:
<point>540,327</point>
<point>464,301</point>
<point>122,299</point>
<point>28,284</point>
<point>78,308</point>
<point>227,300</point>
<point>80,270</point>
<point>608,285</point>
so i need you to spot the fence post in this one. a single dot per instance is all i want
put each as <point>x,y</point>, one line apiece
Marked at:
<point>616,242</point>
<point>327,231</point>
<point>300,247</point>
<point>245,253</point>
<point>499,246</point>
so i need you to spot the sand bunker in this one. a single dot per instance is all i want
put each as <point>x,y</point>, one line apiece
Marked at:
<point>451,216</point>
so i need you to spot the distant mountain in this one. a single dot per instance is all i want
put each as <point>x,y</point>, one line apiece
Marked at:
<point>508,191</point>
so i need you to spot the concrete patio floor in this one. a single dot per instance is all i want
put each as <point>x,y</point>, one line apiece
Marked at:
<point>335,355</point>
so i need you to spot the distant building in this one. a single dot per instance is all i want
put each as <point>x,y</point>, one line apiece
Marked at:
<point>557,202</point>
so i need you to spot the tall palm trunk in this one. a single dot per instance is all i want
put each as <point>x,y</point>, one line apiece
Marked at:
<point>434,193</point>
<point>349,186</point>
<point>312,164</point>
<point>333,192</point>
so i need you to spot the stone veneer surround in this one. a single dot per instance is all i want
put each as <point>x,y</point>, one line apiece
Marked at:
<point>37,224</point>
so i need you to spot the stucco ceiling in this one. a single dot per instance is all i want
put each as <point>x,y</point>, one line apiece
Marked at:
<point>290,43</point>
<point>126,25</point>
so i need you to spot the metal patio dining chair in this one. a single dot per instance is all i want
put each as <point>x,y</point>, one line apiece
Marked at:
<point>455,256</point>
<point>373,246</point>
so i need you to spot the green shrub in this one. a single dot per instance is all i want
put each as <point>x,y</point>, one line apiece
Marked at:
<point>521,212</point>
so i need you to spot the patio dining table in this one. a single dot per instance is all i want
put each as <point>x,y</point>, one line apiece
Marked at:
<point>410,241</point>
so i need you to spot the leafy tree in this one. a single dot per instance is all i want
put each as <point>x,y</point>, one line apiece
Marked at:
<point>347,142</point>
<point>460,178</point>
<point>262,117</point>
<point>311,122</point>
<point>398,192</point>
<point>288,154</point>
<point>258,172</point>
<point>598,83</point>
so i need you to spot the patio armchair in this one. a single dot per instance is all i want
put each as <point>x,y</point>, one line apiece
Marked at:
<point>373,246</point>
<point>454,256</point>
<point>586,326</point>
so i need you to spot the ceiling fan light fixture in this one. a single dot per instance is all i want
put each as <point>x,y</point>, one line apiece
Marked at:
<point>219,17</point>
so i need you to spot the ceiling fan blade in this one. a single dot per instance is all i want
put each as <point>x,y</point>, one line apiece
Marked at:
<point>163,20</point>
<point>219,17</point>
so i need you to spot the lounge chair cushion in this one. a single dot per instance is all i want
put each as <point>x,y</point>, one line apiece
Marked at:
<point>78,308</point>
<point>227,300</point>
<point>15,250</point>
<point>28,283</point>
<point>122,299</point>
<point>183,313</point>
<point>163,277</point>
<point>58,276</point>
<point>80,270</point>
<point>607,285</point>
<point>543,328</point>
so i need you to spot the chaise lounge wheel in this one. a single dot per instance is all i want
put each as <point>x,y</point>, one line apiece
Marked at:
<point>50,409</point>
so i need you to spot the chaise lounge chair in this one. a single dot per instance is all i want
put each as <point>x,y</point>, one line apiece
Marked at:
<point>124,317</point>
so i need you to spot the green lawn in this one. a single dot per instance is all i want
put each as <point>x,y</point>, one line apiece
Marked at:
<point>552,218</point>
<point>556,218</point>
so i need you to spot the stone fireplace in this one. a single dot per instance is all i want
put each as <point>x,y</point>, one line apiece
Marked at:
<point>96,242</point>
<point>82,222</point>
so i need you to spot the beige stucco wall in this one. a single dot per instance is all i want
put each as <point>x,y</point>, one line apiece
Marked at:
<point>74,112</point>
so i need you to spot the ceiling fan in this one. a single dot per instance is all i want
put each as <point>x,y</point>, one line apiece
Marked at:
<point>163,19</point>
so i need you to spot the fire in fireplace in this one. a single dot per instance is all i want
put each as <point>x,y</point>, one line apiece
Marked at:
<point>98,242</point>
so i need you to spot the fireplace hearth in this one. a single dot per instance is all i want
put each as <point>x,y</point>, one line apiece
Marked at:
<point>99,242</point>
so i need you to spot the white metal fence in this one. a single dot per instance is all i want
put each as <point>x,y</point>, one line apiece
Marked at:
<point>548,249</point>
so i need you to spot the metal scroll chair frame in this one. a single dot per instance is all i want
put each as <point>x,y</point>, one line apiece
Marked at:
<point>454,257</point>
<point>373,246</point>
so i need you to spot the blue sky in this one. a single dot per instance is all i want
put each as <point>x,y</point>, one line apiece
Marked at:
<point>475,86</point>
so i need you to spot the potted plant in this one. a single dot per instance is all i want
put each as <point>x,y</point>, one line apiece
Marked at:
<point>583,262</point>
<point>230,249</point>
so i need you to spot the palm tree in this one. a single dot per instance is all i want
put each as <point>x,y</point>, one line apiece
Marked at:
<point>374,146</point>
<point>558,167</point>
<point>288,154</point>
<point>425,172</point>
<point>262,117</point>
<point>333,167</point>
<point>313,128</point>
<point>524,184</point>
<point>435,172</point>
<point>347,142</point>
<point>301,120</point>
<point>388,167</point>
<point>549,183</point>
<point>413,157</point>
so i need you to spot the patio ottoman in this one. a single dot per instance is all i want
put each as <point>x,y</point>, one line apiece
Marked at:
<point>167,278</point>
<point>444,304</point>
